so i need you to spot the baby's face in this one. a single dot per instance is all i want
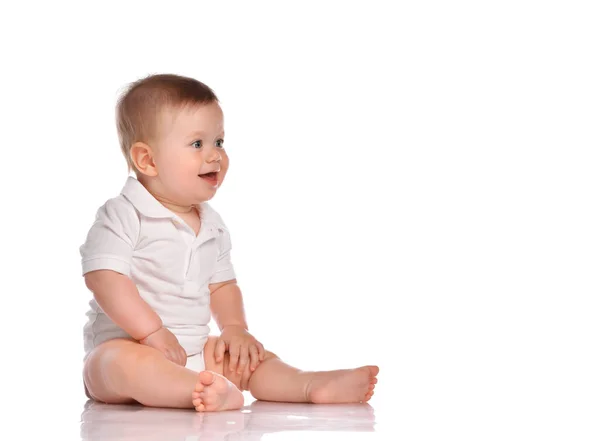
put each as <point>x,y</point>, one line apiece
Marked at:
<point>190,143</point>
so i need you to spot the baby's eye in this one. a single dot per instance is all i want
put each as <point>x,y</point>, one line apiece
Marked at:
<point>222,141</point>
<point>197,144</point>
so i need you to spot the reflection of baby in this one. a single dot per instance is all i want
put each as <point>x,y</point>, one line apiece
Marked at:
<point>157,260</point>
<point>103,422</point>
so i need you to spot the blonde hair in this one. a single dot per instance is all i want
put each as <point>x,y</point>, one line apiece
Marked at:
<point>141,104</point>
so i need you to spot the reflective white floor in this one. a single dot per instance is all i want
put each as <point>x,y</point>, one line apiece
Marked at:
<point>257,421</point>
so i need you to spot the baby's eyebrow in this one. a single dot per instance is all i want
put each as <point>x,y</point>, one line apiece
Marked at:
<point>200,133</point>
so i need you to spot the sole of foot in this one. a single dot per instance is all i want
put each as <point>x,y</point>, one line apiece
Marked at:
<point>213,393</point>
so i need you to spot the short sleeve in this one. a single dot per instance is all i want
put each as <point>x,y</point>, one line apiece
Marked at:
<point>111,239</point>
<point>224,269</point>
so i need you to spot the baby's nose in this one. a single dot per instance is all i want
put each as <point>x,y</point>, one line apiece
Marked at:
<point>214,155</point>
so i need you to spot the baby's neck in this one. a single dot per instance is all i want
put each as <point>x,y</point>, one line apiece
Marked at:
<point>178,209</point>
<point>168,203</point>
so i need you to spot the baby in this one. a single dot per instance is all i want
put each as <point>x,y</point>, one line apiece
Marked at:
<point>157,260</point>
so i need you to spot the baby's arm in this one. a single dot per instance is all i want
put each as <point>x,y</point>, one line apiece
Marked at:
<point>227,307</point>
<point>119,298</point>
<point>106,262</point>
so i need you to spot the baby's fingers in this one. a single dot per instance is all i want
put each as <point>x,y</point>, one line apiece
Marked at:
<point>261,351</point>
<point>219,350</point>
<point>173,355</point>
<point>182,356</point>
<point>243,359</point>
<point>253,358</point>
<point>234,354</point>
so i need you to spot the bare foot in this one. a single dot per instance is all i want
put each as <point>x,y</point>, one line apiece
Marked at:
<point>214,392</point>
<point>343,386</point>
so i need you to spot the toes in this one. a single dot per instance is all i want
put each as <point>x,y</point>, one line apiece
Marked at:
<point>366,398</point>
<point>199,387</point>
<point>206,378</point>
<point>200,407</point>
<point>197,402</point>
<point>374,370</point>
<point>209,401</point>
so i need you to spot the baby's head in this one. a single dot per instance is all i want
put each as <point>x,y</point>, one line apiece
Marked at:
<point>171,132</point>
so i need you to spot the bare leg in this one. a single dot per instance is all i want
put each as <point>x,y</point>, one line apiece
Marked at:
<point>273,380</point>
<point>122,371</point>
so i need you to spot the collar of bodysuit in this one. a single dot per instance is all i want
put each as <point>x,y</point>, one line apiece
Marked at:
<point>145,203</point>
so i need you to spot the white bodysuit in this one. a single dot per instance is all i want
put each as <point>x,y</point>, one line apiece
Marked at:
<point>137,236</point>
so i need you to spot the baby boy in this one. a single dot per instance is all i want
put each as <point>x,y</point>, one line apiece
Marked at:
<point>157,261</point>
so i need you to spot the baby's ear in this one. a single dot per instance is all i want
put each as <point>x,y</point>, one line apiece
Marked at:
<point>142,157</point>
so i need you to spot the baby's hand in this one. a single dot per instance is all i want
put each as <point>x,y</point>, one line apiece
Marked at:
<point>166,342</point>
<point>242,347</point>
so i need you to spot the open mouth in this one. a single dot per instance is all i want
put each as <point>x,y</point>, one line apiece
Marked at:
<point>211,177</point>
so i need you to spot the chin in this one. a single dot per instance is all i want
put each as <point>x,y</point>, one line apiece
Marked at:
<point>206,197</point>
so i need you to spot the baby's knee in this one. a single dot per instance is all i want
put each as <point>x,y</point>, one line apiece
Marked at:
<point>242,381</point>
<point>120,354</point>
<point>105,366</point>
<point>269,354</point>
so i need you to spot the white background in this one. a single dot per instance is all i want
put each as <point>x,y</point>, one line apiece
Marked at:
<point>412,184</point>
